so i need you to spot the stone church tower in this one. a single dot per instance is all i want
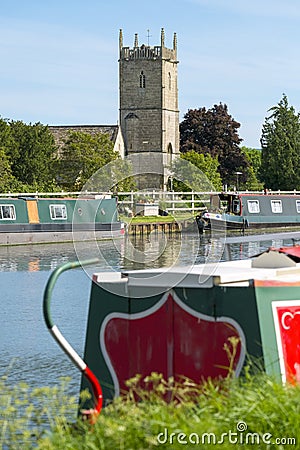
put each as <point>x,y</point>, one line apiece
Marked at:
<point>149,115</point>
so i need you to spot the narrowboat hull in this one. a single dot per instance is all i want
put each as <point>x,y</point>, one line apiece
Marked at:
<point>223,222</point>
<point>203,314</point>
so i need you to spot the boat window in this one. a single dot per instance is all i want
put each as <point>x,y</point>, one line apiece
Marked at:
<point>253,206</point>
<point>7,212</point>
<point>298,206</point>
<point>276,206</point>
<point>58,212</point>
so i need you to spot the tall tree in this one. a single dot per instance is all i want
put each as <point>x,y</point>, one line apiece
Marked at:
<point>82,156</point>
<point>197,172</point>
<point>253,156</point>
<point>280,141</point>
<point>7,142</point>
<point>214,131</point>
<point>33,154</point>
<point>7,180</point>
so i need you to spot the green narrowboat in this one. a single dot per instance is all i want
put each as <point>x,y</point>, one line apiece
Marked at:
<point>242,210</point>
<point>185,321</point>
<point>34,219</point>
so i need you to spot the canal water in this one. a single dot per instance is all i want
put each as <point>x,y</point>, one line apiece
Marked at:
<point>27,351</point>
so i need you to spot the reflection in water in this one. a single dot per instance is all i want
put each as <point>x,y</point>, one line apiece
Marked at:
<point>159,250</point>
<point>132,252</point>
<point>33,258</point>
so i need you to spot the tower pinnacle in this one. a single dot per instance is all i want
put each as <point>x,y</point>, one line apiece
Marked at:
<point>162,37</point>
<point>175,42</point>
<point>136,42</point>
<point>120,38</point>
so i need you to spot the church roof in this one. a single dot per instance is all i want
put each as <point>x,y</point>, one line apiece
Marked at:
<point>60,132</point>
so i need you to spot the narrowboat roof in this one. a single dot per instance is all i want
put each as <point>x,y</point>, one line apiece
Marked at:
<point>36,197</point>
<point>252,194</point>
<point>271,265</point>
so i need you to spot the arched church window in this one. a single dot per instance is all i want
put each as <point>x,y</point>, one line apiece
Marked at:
<point>170,81</point>
<point>169,153</point>
<point>142,80</point>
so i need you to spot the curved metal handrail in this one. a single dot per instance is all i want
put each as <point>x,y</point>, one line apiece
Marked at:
<point>91,414</point>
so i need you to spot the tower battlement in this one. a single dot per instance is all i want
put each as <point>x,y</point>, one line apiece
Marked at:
<point>147,51</point>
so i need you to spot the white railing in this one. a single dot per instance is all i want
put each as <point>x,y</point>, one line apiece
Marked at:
<point>191,201</point>
<point>170,201</point>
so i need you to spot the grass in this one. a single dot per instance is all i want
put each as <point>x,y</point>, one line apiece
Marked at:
<point>249,413</point>
<point>154,219</point>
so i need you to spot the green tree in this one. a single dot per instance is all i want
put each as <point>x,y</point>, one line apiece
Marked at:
<point>214,131</point>
<point>8,146</point>
<point>197,172</point>
<point>7,180</point>
<point>32,155</point>
<point>253,156</point>
<point>82,156</point>
<point>7,142</point>
<point>114,176</point>
<point>280,141</point>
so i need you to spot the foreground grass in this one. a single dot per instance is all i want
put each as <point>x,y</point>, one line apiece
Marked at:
<point>249,413</point>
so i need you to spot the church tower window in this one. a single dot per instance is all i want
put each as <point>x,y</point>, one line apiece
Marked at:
<point>142,80</point>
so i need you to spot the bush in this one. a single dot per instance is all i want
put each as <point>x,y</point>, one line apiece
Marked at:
<point>249,412</point>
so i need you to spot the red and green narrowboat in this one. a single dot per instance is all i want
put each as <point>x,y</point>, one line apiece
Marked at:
<point>198,322</point>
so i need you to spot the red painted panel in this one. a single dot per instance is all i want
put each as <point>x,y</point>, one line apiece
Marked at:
<point>287,326</point>
<point>199,346</point>
<point>137,345</point>
<point>171,339</point>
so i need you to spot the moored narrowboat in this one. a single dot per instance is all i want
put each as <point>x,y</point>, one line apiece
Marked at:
<point>36,219</point>
<point>197,322</point>
<point>246,210</point>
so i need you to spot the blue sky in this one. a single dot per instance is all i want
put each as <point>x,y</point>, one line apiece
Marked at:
<point>59,59</point>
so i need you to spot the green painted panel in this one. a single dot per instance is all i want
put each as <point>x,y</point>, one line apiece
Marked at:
<point>80,210</point>
<point>265,296</point>
<point>239,303</point>
<point>289,212</point>
<point>20,210</point>
<point>94,210</point>
<point>44,210</point>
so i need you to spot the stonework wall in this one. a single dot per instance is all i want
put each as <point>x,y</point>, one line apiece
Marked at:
<point>170,133</point>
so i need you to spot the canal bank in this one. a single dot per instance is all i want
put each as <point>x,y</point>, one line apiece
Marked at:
<point>145,228</point>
